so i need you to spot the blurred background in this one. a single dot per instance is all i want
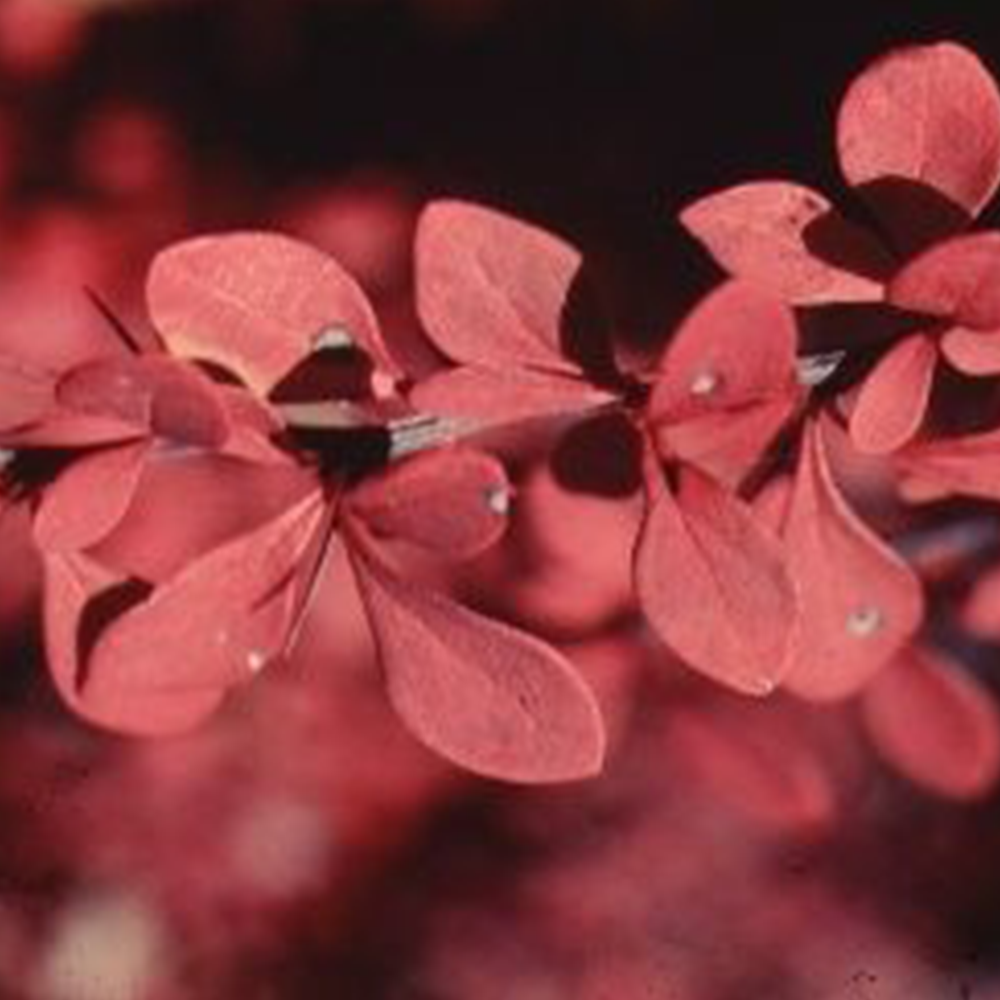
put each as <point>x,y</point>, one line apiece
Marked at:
<point>302,845</point>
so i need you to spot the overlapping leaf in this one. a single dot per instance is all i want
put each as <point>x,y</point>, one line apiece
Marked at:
<point>713,584</point>
<point>485,695</point>
<point>929,114</point>
<point>892,400</point>
<point>257,304</point>
<point>727,381</point>
<point>935,724</point>
<point>789,239</point>
<point>494,294</point>
<point>860,602</point>
<point>453,501</point>
<point>219,621</point>
<point>72,584</point>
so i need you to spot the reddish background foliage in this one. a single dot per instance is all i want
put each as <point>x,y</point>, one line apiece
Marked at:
<point>834,840</point>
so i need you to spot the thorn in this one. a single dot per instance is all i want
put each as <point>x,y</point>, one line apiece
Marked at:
<point>120,330</point>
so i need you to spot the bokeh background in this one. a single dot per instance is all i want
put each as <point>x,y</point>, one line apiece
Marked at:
<point>302,845</point>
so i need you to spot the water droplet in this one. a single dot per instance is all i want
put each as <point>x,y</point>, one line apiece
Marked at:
<point>333,338</point>
<point>256,661</point>
<point>761,686</point>
<point>498,500</point>
<point>705,383</point>
<point>864,621</point>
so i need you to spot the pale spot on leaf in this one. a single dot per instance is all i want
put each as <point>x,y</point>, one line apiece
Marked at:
<point>705,383</point>
<point>333,338</point>
<point>864,621</point>
<point>498,501</point>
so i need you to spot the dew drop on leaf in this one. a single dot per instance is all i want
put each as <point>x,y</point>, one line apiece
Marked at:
<point>705,383</point>
<point>864,621</point>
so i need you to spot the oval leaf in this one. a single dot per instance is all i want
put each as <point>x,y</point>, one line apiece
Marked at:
<point>929,114</point>
<point>485,695</point>
<point>72,583</point>
<point>969,465</point>
<point>256,303</point>
<point>981,609</point>
<point>453,501</point>
<point>972,351</point>
<point>860,601</point>
<point>713,583</point>
<point>891,404</point>
<point>737,347</point>
<point>761,760</point>
<point>958,279</point>
<point>25,395</point>
<point>790,240</point>
<point>492,396</point>
<point>935,724</point>
<point>218,622</point>
<point>189,502</point>
<point>492,290</point>
<point>88,500</point>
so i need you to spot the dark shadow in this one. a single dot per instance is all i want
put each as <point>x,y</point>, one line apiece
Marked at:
<point>327,374</point>
<point>855,328</point>
<point>843,244</point>
<point>344,455</point>
<point>100,612</point>
<point>601,456</point>
<point>960,404</point>
<point>585,329</point>
<point>911,216</point>
<point>30,470</point>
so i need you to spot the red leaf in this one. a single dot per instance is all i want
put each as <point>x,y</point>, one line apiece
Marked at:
<point>726,445</point>
<point>713,584</point>
<point>981,610</point>
<point>493,395</point>
<point>483,694</point>
<point>88,500</point>
<point>256,303</point>
<point>761,760</point>
<point>790,240</point>
<point>217,622</point>
<point>71,583</point>
<point>69,430</point>
<point>928,114</point>
<point>189,502</point>
<point>860,601</point>
<point>492,290</point>
<point>454,501</point>
<point>958,279</point>
<point>737,347</point>
<point>972,351</point>
<point>25,395</point>
<point>892,401</point>
<point>969,464</point>
<point>935,724</point>
<point>115,388</point>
